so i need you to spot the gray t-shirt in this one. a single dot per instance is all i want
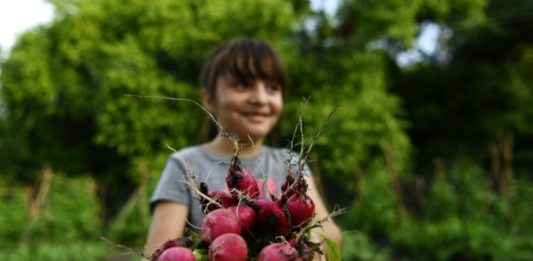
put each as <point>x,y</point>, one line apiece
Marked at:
<point>270,164</point>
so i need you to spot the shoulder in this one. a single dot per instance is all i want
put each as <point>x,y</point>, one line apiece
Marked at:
<point>187,156</point>
<point>188,152</point>
<point>198,161</point>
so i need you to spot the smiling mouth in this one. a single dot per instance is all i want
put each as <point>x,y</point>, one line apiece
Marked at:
<point>256,117</point>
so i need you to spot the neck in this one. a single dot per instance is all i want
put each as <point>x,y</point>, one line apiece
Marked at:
<point>224,146</point>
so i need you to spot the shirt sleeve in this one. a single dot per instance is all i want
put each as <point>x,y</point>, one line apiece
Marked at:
<point>172,185</point>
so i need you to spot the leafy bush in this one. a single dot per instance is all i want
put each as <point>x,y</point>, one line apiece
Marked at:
<point>359,246</point>
<point>14,217</point>
<point>64,225</point>
<point>461,217</point>
<point>375,210</point>
<point>47,251</point>
<point>72,212</point>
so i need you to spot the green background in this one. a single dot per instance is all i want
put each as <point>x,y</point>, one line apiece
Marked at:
<point>431,160</point>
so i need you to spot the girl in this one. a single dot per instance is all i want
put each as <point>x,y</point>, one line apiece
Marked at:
<point>243,82</point>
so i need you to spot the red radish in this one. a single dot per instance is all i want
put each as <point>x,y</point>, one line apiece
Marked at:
<point>180,242</point>
<point>177,254</point>
<point>289,181</point>
<point>224,197</point>
<point>301,208</point>
<point>293,185</point>
<point>278,252</point>
<point>273,221</point>
<point>247,216</point>
<point>228,247</point>
<point>241,180</point>
<point>259,203</point>
<point>219,221</point>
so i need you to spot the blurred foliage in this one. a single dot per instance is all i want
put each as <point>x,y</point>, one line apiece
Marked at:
<point>74,75</point>
<point>478,96</point>
<point>14,215</point>
<point>59,220</point>
<point>432,159</point>
<point>75,251</point>
<point>462,218</point>
<point>365,120</point>
<point>359,246</point>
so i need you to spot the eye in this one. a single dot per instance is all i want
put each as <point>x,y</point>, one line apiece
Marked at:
<point>273,86</point>
<point>242,84</point>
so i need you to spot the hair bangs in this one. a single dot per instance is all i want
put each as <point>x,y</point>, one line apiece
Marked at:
<point>243,58</point>
<point>255,61</point>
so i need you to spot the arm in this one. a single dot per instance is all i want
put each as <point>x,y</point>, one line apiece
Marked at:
<point>329,228</point>
<point>168,222</point>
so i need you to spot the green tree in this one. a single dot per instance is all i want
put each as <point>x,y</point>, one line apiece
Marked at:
<point>74,74</point>
<point>64,84</point>
<point>478,98</point>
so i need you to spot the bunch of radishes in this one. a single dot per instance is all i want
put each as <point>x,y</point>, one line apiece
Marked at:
<point>243,223</point>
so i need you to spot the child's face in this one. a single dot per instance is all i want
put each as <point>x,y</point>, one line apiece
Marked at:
<point>246,107</point>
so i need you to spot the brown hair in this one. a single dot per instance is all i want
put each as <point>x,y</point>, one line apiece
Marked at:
<point>243,58</point>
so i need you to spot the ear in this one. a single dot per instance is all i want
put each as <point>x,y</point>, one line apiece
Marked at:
<point>207,100</point>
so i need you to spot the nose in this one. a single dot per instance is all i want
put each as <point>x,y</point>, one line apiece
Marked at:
<point>259,93</point>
